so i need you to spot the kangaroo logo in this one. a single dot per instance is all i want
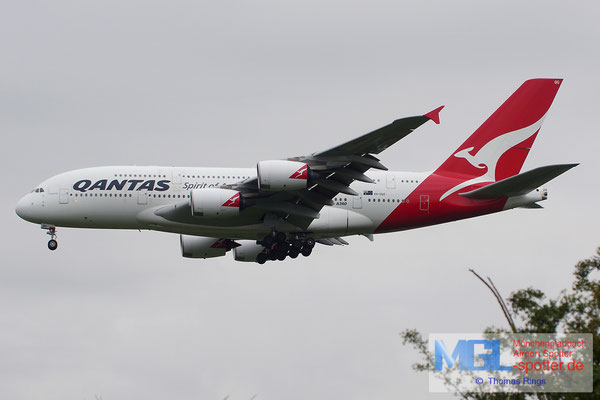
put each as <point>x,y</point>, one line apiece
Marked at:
<point>234,201</point>
<point>486,158</point>
<point>302,173</point>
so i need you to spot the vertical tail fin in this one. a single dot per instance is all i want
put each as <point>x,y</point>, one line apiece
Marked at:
<point>498,148</point>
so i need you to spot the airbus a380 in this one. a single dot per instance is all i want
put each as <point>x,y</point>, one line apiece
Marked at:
<point>282,208</point>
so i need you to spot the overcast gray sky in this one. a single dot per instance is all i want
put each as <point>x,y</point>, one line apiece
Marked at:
<point>121,314</point>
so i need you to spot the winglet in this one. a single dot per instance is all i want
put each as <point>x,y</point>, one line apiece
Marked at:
<point>434,115</point>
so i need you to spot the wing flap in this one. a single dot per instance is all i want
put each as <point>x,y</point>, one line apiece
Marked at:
<point>333,241</point>
<point>354,174</point>
<point>336,186</point>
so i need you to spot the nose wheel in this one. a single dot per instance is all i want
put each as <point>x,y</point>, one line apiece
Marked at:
<point>52,243</point>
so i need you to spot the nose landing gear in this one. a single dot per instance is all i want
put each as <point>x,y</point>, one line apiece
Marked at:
<point>52,243</point>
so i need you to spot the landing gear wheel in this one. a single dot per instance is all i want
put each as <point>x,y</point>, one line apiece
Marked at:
<point>296,244</point>
<point>261,258</point>
<point>281,255</point>
<point>52,244</point>
<point>294,253</point>
<point>310,242</point>
<point>280,237</point>
<point>306,251</point>
<point>268,241</point>
<point>272,255</point>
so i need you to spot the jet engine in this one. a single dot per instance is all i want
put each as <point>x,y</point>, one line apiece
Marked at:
<point>204,247</point>
<point>247,251</point>
<point>278,175</point>
<point>215,202</point>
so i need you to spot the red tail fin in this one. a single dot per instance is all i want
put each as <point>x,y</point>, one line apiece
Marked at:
<point>502,143</point>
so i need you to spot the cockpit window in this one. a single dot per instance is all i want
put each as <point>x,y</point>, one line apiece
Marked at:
<point>39,190</point>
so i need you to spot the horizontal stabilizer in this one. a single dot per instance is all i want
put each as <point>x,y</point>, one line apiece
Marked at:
<point>519,184</point>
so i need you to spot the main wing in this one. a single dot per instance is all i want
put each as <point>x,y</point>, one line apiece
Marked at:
<point>332,172</point>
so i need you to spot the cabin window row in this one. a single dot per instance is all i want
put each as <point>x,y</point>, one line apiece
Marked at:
<point>214,176</point>
<point>388,200</point>
<point>140,176</point>
<point>101,195</point>
<point>169,196</point>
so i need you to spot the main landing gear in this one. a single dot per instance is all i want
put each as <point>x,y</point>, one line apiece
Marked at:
<point>52,243</point>
<point>278,247</point>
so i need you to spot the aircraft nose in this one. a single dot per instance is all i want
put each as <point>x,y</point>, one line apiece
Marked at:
<point>24,208</point>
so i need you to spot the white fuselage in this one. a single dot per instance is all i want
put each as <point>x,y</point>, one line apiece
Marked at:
<point>127,198</point>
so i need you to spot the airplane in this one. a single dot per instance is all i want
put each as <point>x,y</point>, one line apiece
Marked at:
<point>283,208</point>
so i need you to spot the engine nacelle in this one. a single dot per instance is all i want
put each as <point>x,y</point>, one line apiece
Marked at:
<point>204,247</point>
<point>215,202</point>
<point>282,175</point>
<point>247,251</point>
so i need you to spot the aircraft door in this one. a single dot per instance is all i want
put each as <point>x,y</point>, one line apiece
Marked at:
<point>63,196</point>
<point>424,202</point>
<point>142,198</point>
<point>176,176</point>
<point>391,181</point>
<point>357,201</point>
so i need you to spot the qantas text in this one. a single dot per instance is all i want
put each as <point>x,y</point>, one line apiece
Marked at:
<point>85,185</point>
